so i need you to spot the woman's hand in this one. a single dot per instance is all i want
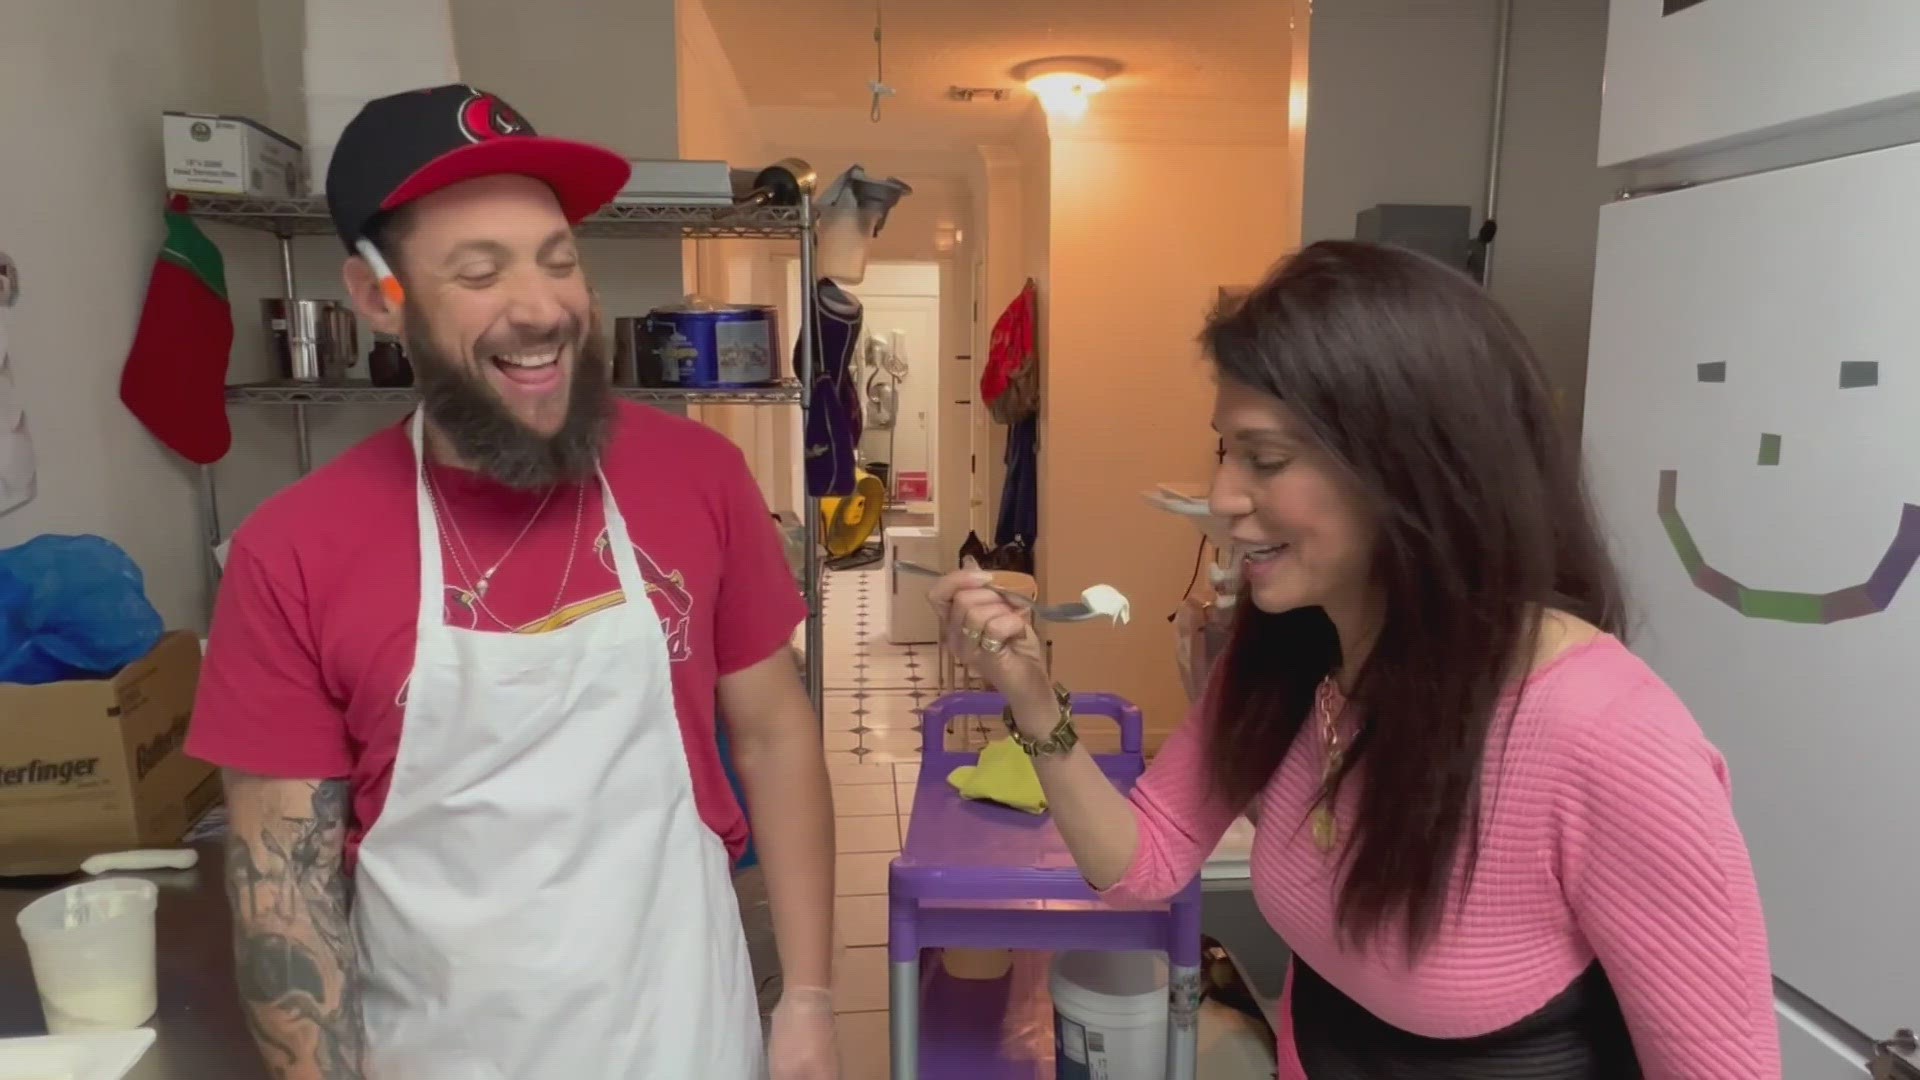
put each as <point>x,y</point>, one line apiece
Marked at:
<point>995,638</point>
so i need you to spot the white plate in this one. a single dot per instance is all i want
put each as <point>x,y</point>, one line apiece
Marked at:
<point>108,1055</point>
<point>1192,507</point>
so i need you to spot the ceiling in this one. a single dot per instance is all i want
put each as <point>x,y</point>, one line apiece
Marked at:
<point>1209,71</point>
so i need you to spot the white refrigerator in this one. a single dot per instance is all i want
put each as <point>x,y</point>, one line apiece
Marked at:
<point>1752,431</point>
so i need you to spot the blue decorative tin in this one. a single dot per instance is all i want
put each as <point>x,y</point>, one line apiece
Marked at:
<point>716,347</point>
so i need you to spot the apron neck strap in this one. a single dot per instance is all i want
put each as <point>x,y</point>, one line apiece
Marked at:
<point>433,593</point>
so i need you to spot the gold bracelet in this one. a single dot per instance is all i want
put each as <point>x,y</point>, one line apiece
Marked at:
<point>1061,739</point>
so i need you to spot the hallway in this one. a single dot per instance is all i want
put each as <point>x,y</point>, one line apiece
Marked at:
<point>874,694</point>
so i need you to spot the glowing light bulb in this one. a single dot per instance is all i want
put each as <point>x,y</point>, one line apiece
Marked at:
<point>1065,94</point>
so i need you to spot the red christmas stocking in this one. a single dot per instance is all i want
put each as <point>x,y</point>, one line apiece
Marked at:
<point>176,373</point>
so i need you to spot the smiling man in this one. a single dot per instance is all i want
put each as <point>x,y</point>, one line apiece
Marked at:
<point>463,680</point>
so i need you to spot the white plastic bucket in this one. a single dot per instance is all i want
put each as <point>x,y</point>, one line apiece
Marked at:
<point>91,947</point>
<point>1109,1015</point>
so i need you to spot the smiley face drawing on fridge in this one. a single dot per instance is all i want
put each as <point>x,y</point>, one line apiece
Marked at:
<point>16,444</point>
<point>1878,583</point>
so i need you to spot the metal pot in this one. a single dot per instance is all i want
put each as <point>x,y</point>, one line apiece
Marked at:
<point>312,340</point>
<point>786,182</point>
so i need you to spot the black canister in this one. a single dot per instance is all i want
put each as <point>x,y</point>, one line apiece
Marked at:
<point>388,365</point>
<point>637,358</point>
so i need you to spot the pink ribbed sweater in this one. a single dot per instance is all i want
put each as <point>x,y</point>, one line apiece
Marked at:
<point>1609,833</point>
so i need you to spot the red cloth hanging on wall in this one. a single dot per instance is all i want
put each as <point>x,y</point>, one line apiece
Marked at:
<point>1010,383</point>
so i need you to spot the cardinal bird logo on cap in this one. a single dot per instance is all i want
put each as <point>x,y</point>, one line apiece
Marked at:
<point>484,117</point>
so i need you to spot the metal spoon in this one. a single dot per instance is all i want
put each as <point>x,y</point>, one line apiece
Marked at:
<point>1076,611</point>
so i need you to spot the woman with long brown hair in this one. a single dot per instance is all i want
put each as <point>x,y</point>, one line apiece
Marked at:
<point>1497,844</point>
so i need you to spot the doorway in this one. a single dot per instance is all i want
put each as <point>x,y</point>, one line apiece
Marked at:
<point>897,364</point>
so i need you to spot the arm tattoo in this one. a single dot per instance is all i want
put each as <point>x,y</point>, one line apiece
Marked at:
<point>294,954</point>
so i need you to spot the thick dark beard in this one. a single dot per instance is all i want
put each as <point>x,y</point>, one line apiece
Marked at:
<point>489,439</point>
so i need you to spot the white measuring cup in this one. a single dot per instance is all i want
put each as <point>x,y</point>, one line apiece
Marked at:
<point>92,950</point>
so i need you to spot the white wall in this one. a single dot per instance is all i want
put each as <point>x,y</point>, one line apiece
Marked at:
<point>1398,108</point>
<point>1126,397</point>
<point>716,124</point>
<point>82,85</point>
<point>997,186</point>
<point>603,70</point>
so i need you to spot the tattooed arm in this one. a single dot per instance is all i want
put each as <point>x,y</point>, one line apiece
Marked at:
<point>293,943</point>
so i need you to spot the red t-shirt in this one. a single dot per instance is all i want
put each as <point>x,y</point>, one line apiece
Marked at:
<point>313,631</point>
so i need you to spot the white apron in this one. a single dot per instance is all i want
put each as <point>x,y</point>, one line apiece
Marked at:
<point>539,899</point>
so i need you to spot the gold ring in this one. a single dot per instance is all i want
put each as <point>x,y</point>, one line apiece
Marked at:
<point>992,647</point>
<point>973,636</point>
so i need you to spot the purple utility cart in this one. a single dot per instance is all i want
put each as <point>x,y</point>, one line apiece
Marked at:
<point>982,876</point>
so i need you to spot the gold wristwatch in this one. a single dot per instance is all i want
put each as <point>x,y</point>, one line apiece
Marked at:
<point>1061,739</point>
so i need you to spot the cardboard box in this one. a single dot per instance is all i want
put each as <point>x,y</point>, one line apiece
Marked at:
<point>910,619</point>
<point>98,763</point>
<point>229,155</point>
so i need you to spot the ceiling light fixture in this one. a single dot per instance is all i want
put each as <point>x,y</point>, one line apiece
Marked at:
<point>1064,84</point>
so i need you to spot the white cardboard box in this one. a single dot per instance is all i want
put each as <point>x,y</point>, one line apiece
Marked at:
<point>654,182</point>
<point>910,617</point>
<point>229,155</point>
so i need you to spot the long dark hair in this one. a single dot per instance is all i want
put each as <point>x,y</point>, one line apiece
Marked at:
<point>1422,389</point>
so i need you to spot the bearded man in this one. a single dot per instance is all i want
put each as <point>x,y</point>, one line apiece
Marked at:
<point>462,681</point>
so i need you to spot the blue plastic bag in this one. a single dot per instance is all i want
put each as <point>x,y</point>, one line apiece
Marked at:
<point>72,607</point>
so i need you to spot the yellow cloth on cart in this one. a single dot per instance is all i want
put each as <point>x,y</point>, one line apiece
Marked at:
<point>1004,775</point>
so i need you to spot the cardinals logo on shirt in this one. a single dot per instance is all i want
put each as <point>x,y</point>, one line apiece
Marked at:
<point>672,601</point>
<point>668,590</point>
<point>484,117</point>
<point>669,594</point>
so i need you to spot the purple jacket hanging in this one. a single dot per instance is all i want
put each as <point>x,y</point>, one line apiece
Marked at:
<point>833,398</point>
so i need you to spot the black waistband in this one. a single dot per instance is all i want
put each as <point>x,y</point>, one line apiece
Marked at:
<point>1579,1035</point>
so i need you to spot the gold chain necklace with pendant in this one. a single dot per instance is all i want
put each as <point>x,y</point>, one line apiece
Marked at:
<point>1326,828</point>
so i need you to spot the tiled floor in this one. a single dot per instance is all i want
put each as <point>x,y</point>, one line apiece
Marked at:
<point>874,694</point>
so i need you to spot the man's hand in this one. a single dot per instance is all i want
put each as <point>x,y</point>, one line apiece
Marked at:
<point>782,765</point>
<point>294,956</point>
<point>801,1044</point>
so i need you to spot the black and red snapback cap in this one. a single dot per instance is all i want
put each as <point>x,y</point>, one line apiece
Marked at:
<point>412,144</point>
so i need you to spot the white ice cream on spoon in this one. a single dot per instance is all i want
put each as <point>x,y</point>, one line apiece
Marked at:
<point>1108,601</point>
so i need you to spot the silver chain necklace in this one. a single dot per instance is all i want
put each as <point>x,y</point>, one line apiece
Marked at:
<point>486,579</point>
<point>443,516</point>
